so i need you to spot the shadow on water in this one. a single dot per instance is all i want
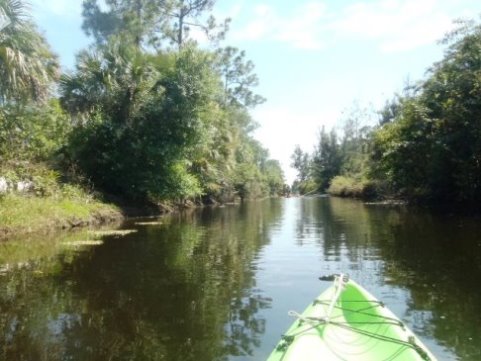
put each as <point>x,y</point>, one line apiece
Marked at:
<point>435,257</point>
<point>216,283</point>
<point>183,289</point>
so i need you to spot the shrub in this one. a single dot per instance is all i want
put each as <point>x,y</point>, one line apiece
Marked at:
<point>343,186</point>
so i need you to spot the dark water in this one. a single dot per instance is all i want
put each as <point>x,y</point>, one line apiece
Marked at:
<point>216,284</point>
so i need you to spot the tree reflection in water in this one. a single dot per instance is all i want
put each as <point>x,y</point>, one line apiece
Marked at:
<point>183,290</point>
<point>435,256</point>
<point>198,285</point>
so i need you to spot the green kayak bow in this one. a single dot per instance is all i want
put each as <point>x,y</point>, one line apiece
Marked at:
<point>347,323</point>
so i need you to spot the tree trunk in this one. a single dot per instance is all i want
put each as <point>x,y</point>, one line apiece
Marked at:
<point>139,19</point>
<point>180,32</point>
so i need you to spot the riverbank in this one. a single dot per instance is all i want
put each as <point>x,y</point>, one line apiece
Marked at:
<point>348,187</point>
<point>24,214</point>
<point>375,192</point>
<point>34,198</point>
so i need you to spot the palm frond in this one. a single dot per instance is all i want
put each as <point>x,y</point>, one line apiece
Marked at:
<point>27,64</point>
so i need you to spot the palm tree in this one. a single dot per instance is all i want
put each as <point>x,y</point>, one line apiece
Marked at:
<point>4,20</point>
<point>27,65</point>
<point>115,78</point>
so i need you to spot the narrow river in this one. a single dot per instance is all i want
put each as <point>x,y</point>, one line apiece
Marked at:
<point>217,283</point>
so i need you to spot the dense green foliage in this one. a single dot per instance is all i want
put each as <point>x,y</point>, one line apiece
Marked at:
<point>136,118</point>
<point>333,156</point>
<point>432,147</point>
<point>327,159</point>
<point>33,131</point>
<point>144,114</point>
<point>427,144</point>
<point>30,126</point>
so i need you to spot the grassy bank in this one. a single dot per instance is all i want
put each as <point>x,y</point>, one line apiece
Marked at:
<point>37,198</point>
<point>342,186</point>
<point>21,214</point>
<point>34,198</point>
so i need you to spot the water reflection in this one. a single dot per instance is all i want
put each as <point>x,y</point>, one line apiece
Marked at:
<point>216,283</point>
<point>432,262</point>
<point>182,290</point>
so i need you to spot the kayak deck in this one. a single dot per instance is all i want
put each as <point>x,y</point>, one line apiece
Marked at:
<point>349,324</point>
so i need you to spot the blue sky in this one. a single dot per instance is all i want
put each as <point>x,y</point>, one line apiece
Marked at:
<point>315,59</point>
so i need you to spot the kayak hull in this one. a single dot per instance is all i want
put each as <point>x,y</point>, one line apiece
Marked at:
<point>349,325</point>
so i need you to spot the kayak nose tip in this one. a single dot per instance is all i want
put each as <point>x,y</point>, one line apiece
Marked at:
<point>329,278</point>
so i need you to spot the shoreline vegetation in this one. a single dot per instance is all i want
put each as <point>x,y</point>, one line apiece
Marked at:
<point>34,198</point>
<point>26,214</point>
<point>146,121</point>
<point>149,120</point>
<point>423,147</point>
<point>343,186</point>
<point>22,215</point>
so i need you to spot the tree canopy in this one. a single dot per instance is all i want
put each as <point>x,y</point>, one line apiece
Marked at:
<point>27,65</point>
<point>151,23</point>
<point>427,142</point>
<point>136,118</point>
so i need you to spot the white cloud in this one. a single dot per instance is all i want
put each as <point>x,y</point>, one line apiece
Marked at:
<point>71,8</point>
<point>395,25</point>
<point>282,128</point>
<point>261,26</point>
<point>299,29</point>
<point>255,30</point>
<point>263,10</point>
<point>231,12</point>
<point>303,31</point>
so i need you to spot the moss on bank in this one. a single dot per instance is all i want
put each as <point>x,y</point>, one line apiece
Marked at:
<point>20,214</point>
